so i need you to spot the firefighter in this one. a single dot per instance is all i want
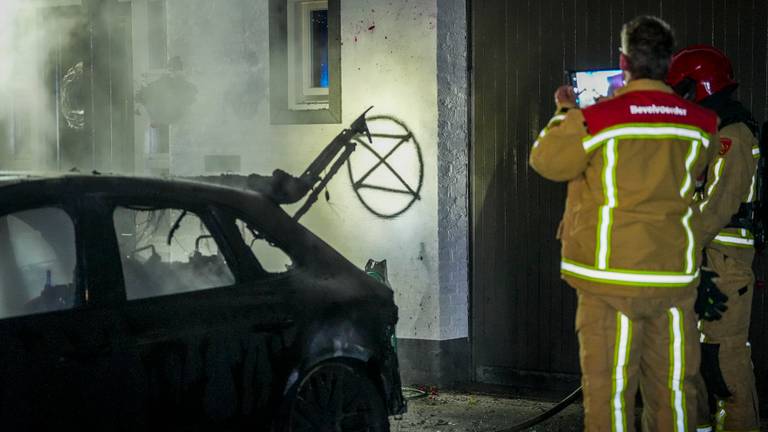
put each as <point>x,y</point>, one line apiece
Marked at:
<point>630,237</point>
<point>703,74</point>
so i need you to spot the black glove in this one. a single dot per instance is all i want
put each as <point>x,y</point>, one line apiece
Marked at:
<point>710,301</point>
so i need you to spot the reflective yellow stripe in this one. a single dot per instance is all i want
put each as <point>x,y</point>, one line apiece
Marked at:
<point>689,251</point>
<point>704,428</point>
<point>559,117</point>
<point>627,277</point>
<point>752,188</point>
<point>732,240</point>
<point>720,416</point>
<point>756,152</point>
<point>718,171</point>
<point>693,154</point>
<point>677,368</point>
<point>605,222</point>
<point>620,363</point>
<point>645,131</point>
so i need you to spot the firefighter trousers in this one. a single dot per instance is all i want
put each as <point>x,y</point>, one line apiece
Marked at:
<point>646,343</point>
<point>726,368</point>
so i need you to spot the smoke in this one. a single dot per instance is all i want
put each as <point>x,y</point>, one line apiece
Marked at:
<point>29,85</point>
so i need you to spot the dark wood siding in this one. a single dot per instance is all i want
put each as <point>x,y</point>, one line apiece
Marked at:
<point>522,313</point>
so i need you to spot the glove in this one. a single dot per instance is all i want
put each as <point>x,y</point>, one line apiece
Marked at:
<point>710,301</point>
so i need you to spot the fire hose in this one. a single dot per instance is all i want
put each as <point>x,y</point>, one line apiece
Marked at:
<point>414,393</point>
<point>571,398</point>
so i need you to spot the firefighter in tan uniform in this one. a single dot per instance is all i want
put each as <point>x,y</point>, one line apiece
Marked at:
<point>631,235</point>
<point>704,74</point>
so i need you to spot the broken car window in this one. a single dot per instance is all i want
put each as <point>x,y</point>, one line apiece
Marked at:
<point>271,257</point>
<point>37,262</point>
<point>167,251</point>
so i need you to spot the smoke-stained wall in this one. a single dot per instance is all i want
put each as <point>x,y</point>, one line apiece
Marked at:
<point>389,60</point>
<point>27,112</point>
<point>66,93</point>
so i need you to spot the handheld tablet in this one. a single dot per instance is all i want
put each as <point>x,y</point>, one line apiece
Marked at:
<point>590,85</point>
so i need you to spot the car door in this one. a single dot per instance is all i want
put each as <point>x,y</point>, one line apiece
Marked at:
<point>206,337</point>
<point>62,351</point>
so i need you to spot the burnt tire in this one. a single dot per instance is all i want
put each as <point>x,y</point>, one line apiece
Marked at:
<point>335,396</point>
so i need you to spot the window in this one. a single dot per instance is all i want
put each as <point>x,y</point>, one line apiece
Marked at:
<point>271,258</point>
<point>167,251</point>
<point>307,54</point>
<point>305,70</point>
<point>37,262</point>
<point>318,34</point>
<point>157,34</point>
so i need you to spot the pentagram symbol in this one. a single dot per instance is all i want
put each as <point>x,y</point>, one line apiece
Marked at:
<point>388,177</point>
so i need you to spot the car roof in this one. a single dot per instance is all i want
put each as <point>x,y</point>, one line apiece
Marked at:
<point>111,183</point>
<point>25,185</point>
<point>17,188</point>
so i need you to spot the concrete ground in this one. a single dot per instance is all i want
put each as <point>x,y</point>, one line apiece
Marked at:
<point>463,412</point>
<point>460,412</point>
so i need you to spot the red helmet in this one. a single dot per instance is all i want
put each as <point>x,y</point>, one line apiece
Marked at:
<point>706,66</point>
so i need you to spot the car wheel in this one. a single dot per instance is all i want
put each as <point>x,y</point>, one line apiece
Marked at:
<point>335,397</point>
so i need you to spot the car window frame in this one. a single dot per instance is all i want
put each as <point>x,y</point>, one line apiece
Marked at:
<point>72,208</point>
<point>228,218</point>
<point>203,211</point>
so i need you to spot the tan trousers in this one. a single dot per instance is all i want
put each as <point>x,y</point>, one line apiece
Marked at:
<point>650,343</point>
<point>739,412</point>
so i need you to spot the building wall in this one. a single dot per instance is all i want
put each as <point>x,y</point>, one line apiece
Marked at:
<point>453,154</point>
<point>389,60</point>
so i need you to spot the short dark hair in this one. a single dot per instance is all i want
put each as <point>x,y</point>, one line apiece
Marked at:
<point>648,42</point>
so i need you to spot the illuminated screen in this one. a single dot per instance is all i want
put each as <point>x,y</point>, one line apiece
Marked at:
<point>594,84</point>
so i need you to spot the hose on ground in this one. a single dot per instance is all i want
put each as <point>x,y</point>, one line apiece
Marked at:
<point>571,398</point>
<point>411,393</point>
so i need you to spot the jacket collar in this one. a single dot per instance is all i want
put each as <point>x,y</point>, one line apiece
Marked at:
<point>644,85</point>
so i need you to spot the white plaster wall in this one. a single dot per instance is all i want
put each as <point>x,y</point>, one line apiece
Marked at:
<point>224,45</point>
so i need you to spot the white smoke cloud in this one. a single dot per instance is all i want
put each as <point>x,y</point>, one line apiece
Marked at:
<point>27,87</point>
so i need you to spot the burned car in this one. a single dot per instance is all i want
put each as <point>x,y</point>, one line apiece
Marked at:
<point>142,304</point>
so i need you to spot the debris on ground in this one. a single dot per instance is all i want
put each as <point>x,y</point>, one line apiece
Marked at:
<point>469,412</point>
<point>462,412</point>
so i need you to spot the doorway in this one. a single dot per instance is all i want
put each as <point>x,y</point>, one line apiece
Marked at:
<point>70,98</point>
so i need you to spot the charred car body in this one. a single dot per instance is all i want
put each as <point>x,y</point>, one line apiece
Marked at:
<point>130,303</point>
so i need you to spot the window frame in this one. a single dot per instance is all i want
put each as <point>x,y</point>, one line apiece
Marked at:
<point>283,76</point>
<point>206,214</point>
<point>157,13</point>
<point>81,280</point>
<point>256,273</point>
<point>301,94</point>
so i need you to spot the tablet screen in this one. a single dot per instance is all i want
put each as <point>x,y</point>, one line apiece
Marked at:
<point>593,84</point>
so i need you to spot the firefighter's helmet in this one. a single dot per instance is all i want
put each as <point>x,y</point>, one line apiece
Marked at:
<point>704,67</point>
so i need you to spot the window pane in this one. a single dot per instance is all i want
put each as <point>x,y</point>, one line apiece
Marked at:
<point>320,48</point>
<point>271,257</point>
<point>157,34</point>
<point>152,267</point>
<point>37,262</point>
